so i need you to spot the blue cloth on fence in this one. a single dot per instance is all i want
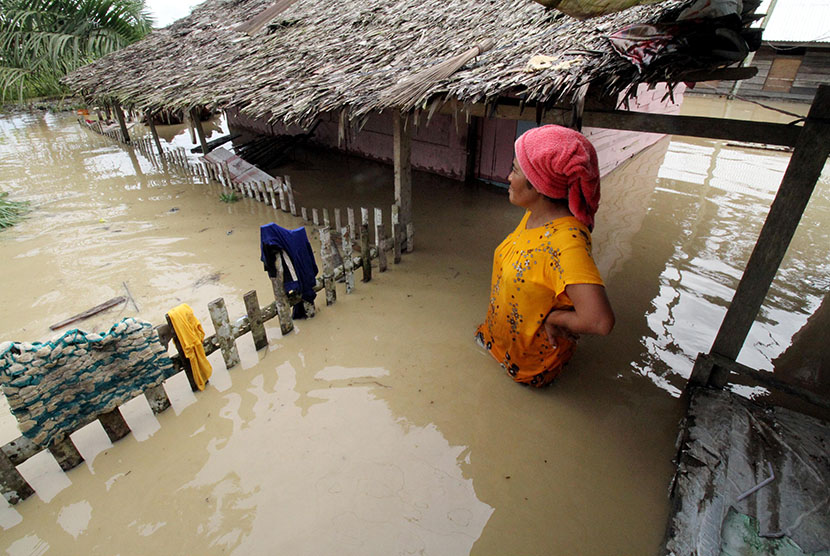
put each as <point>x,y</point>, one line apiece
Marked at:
<point>273,241</point>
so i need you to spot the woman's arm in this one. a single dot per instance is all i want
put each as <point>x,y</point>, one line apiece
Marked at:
<point>591,314</point>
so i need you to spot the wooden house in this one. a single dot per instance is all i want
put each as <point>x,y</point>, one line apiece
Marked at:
<point>794,58</point>
<point>283,68</point>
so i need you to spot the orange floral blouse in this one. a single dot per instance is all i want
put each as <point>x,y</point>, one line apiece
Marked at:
<point>531,268</point>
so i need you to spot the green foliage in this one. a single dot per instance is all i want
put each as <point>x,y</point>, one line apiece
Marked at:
<point>11,212</point>
<point>228,197</point>
<point>43,40</point>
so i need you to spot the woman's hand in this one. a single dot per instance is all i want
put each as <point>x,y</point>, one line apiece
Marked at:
<point>555,331</point>
<point>591,314</point>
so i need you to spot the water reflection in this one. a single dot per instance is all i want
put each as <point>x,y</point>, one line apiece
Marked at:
<point>356,479</point>
<point>714,200</point>
<point>377,422</point>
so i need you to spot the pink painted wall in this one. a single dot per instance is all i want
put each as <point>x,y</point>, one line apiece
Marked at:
<point>440,146</point>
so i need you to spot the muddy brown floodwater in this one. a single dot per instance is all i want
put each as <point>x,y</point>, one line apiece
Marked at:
<point>378,427</point>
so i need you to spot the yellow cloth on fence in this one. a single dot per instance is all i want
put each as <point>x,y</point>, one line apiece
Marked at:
<point>190,334</point>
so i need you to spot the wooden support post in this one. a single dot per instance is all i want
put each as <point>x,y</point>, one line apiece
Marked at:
<point>195,117</point>
<point>396,233</point>
<point>157,398</point>
<point>365,255</point>
<point>188,369</point>
<point>799,181</point>
<point>315,217</point>
<point>290,191</point>
<point>281,299</point>
<point>403,170</point>
<point>221,322</point>
<point>255,319</point>
<point>326,221</point>
<point>119,114</point>
<point>304,214</point>
<point>380,242</point>
<point>348,262</point>
<point>66,454</point>
<point>328,265</point>
<point>12,484</point>
<point>114,424</point>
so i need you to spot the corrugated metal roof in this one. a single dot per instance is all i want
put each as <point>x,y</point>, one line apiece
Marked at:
<point>799,21</point>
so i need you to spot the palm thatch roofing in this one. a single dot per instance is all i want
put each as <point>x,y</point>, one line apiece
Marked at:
<point>319,55</point>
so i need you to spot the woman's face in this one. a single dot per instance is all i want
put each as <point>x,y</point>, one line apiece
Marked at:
<point>521,193</point>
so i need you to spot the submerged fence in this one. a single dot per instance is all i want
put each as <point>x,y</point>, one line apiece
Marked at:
<point>345,247</point>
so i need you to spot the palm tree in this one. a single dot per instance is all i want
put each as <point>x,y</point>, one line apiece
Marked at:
<point>43,40</point>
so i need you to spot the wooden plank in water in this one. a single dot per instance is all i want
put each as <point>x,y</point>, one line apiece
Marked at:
<point>90,312</point>
<point>239,170</point>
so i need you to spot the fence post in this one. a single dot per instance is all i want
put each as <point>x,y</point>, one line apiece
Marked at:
<point>365,255</point>
<point>14,486</point>
<point>114,424</point>
<point>379,240</point>
<point>157,398</point>
<point>348,262</point>
<point>281,299</point>
<point>396,233</point>
<point>290,190</point>
<point>221,322</point>
<point>328,265</point>
<point>255,319</point>
<point>66,454</point>
<point>188,369</point>
<point>350,216</point>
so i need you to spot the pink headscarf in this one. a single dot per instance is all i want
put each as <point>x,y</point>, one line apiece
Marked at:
<point>561,163</point>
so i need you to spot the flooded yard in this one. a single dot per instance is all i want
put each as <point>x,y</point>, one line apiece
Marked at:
<point>378,427</point>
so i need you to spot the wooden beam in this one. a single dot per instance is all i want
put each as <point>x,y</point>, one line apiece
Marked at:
<point>196,120</point>
<point>695,126</point>
<point>767,379</point>
<point>403,168</point>
<point>807,161</point>
<point>691,126</point>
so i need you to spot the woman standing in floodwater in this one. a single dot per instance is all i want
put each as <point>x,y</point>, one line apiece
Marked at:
<point>546,289</point>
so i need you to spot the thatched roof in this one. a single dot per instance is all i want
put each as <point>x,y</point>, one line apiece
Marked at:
<point>319,56</point>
